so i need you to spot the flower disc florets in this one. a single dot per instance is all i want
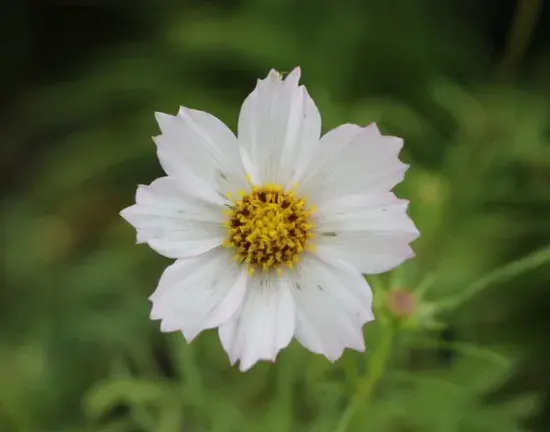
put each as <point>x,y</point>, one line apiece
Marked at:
<point>269,228</point>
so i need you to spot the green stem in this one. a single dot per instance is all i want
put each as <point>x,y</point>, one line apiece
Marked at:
<point>524,23</point>
<point>367,383</point>
<point>507,272</point>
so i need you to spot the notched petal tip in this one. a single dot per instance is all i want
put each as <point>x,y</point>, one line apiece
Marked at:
<point>245,366</point>
<point>293,77</point>
<point>396,143</point>
<point>185,113</point>
<point>154,315</point>
<point>169,326</point>
<point>279,76</point>
<point>393,142</point>
<point>358,347</point>
<point>156,140</point>
<point>370,318</point>
<point>415,235</point>
<point>333,358</point>
<point>401,168</point>
<point>274,76</point>
<point>140,238</point>
<point>296,70</point>
<point>373,128</point>
<point>402,201</point>
<point>126,213</point>
<point>190,334</point>
<point>142,192</point>
<point>165,121</point>
<point>160,116</point>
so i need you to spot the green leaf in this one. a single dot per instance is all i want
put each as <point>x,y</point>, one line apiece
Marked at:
<point>108,394</point>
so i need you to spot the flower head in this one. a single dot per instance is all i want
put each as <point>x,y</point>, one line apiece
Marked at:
<point>272,231</point>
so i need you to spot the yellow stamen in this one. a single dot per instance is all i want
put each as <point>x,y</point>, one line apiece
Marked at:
<point>269,228</point>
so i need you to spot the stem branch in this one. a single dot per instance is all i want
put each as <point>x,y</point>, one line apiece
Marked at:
<point>507,272</point>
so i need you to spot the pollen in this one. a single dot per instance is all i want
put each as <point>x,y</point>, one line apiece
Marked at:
<point>269,228</point>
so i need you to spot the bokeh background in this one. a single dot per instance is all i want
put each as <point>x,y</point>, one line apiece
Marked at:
<point>461,341</point>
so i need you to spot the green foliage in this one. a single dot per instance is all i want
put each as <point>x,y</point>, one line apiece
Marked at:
<point>77,350</point>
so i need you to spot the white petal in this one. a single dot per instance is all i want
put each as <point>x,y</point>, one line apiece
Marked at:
<point>279,125</point>
<point>332,306</point>
<point>371,232</point>
<point>354,160</point>
<point>265,324</point>
<point>199,293</point>
<point>200,150</point>
<point>174,223</point>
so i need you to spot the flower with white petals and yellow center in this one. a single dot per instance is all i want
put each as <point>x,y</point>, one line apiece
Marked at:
<point>272,231</point>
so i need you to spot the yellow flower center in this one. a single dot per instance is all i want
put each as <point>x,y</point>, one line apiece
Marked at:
<point>268,228</point>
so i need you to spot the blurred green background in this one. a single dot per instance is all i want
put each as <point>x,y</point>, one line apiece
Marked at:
<point>461,339</point>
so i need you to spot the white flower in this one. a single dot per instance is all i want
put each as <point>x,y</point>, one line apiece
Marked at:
<point>272,230</point>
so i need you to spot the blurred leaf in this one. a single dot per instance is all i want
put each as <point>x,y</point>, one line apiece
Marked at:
<point>107,395</point>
